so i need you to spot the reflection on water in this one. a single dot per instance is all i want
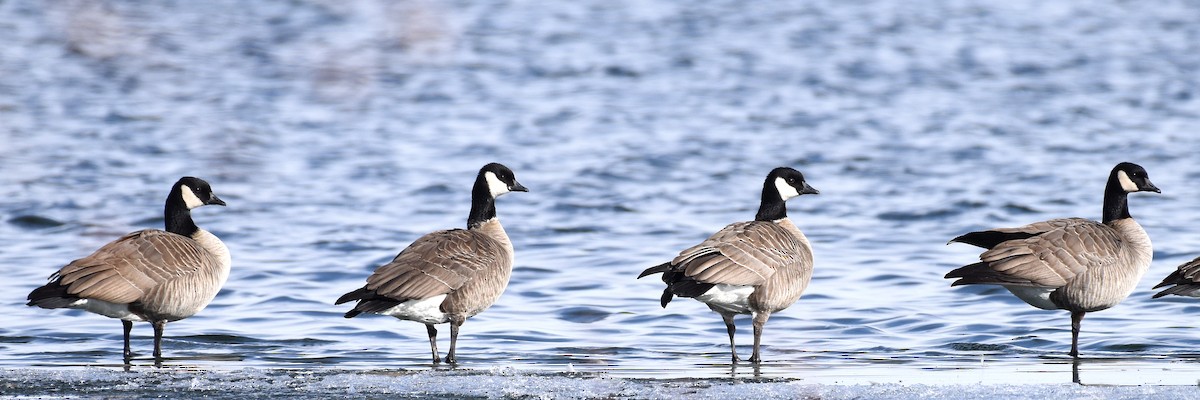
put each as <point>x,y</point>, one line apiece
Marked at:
<point>338,132</point>
<point>1075,370</point>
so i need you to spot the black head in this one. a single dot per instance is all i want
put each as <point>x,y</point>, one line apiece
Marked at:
<point>195,192</point>
<point>789,183</point>
<point>782,184</point>
<point>1132,178</point>
<point>500,180</point>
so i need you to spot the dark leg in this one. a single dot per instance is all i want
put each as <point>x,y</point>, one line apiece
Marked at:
<point>158,332</point>
<point>731,329</point>
<point>433,342</point>
<point>454,324</point>
<point>1076,317</point>
<point>128,325</point>
<point>760,319</point>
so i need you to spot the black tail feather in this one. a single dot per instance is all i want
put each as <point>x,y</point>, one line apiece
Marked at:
<point>968,270</point>
<point>989,239</point>
<point>1184,276</point>
<point>666,297</point>
<point>357,294</point>
<point>376,305</point>
<point>683,286</point>
<point>1190,290</point>
<point>678,284</point>
<point>1173,279</point>
<point>368,301</point>
<point>981,273</point>
<point>660,268</point>
<point>51,295</point>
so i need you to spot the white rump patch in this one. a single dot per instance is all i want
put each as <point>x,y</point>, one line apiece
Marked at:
<point>111,310</point>
<point>729,298</point>
<point>786,191</point>
<point>1126,183</point>
<point>425,311</point>
<point>1037,297</point>
<point>494,184</point>
<point>189,197</point>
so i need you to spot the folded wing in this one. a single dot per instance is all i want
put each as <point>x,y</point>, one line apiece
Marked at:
<point>1044,254</point>
<point>1185,280</point>
<point>435,264</point>
<point>744,253</point>
<point>124,270</point>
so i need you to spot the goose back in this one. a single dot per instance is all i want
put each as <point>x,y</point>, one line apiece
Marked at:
<point>774,257</point>
<point>1082,264</point>
<point>470,267</point>
<point>161,275</point>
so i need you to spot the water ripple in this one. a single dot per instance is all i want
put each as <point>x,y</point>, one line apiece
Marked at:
<point>340,133</point>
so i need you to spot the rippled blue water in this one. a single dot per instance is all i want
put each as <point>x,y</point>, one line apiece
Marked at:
<point>338,132</point>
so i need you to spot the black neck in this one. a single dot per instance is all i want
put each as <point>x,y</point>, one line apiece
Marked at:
<point>1116,200</point>
<point>483,205</point>
<point>176,215</point>
<point>772,207</point>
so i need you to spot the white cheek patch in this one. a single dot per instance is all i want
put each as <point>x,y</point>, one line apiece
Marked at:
<point>1126,183</point>
<point>189,197</point>
<point>494,184</point>
<point>786,191</point>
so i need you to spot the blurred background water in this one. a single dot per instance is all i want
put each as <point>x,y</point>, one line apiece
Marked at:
<point>339,131</point>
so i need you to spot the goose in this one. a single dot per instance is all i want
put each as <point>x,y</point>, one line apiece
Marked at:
<point>149,275</point>
<point>448,275</point>
<point>1186,279</point>
<point>1072,264</point>
<point>757,267</point>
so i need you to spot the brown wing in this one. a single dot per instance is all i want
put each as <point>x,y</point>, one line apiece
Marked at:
<point>125,269</point>
<point>1054,252</point>
<point>1185,280</point>
<point>434,264</point>
<point>744,253</point>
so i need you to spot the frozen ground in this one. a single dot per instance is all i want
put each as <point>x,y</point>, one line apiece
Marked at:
<point>510,383</point>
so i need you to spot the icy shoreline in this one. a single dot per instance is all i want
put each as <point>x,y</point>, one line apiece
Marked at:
<point>95,382</point>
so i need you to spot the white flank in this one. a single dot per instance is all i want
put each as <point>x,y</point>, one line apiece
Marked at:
<point>494,184</point>
<point>189,197</point>
<point>729,298</point>
<point>1126,183</point>
<point>786,191</point>
<point>111,310</point>
<point>1037,297</point>
<point>427,311</point>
